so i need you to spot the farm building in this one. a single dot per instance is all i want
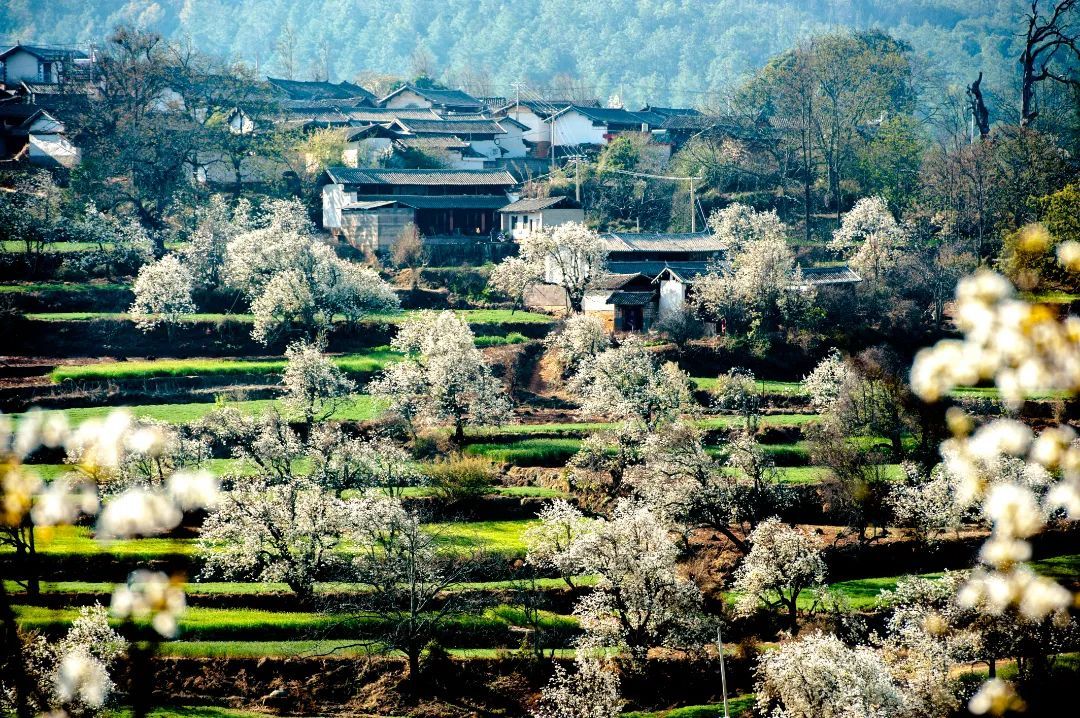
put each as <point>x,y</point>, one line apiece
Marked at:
<point>366,207</point>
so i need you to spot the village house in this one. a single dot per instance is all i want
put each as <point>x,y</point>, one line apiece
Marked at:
<point>32,134</point>
<point>525,216</point>
<point>368,207</point>
<point>37,64</point>
<point>444,101</point>
<point>651,276</point>
<point>304,91</point>
<point>576,126</point>
<point>533,113</point>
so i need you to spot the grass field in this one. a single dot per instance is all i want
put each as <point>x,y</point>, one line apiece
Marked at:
<point>362,363</point>
<point>245,623</point>
<point>247,588</point>
<point>472,316</point>
<point>765,386</point>
<point>60,287</point>
<point>342,648</point>
<point>185,712</point>
<point>737,706</point>
<point>496,537</point>
<point>361,408</point>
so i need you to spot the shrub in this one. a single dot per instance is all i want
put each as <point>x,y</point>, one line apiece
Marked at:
<point>462,478</point>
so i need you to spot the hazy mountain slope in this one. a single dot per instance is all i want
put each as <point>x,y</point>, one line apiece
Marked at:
<point>665,50</point>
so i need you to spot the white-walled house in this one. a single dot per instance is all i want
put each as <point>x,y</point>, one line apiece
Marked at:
<point>32,134</point>
<point>446,101</point>
<point>42,65</point>
<point>525,216</point>
<point>575,125</point>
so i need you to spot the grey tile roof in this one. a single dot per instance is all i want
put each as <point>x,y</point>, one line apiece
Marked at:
<point>351,175</point>
<point>840,274</point>
<point>440,201</point>
<point>607,115</point>
<point>433,143</point>
<point>304,90</point>
<point>685,270</point>
<point>661,242</point>
<point>371,204</point>
<point>630,299</point>
<point>446,98</point>
<point>534,204</point>
<point>50,54</point>
<point>614,280</point>
<point>451,127</point>
<point>670,111</point>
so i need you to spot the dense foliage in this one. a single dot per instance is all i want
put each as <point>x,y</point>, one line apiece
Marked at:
<point>682,52</point>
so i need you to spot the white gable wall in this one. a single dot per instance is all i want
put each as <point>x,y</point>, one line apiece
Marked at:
<point>405,99</point>
<point>538,130</point>
<point>21,66</point>
<point>672,297</point>
<point>334,197</point>
<point>572,128</point>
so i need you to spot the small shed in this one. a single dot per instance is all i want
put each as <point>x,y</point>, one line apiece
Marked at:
<point>521,218</point>
<point>374,225</point>
<point>624,302</point>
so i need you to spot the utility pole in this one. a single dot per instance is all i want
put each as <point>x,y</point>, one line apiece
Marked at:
<point>577,180</point>
<point>693,198</point>
<point>723,672</point>
<point>693,209</point>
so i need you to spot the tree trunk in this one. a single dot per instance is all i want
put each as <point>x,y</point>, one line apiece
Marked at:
<point>33,581</point>
<point>793,614</point>
<point>13,649</point>
<point>413,652</point>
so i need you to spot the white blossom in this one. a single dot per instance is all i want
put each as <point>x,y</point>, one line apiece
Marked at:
<point>150,595</point>
<point>443,377</point>
<point>640,600</point>
<point>569,255</point>
<point>872,231</point>
<point>817,676</point>
<point>548,543</point>
<point>314,386</point>
<point>591,691</point>
<point>162,293</point>
<point>781,564</point>
<point>579,340</point>
<point>627,383</point>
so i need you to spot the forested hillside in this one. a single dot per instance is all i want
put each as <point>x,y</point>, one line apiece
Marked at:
<point>672,51</point>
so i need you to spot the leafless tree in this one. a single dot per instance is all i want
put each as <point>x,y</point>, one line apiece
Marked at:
<point>1046,39</point>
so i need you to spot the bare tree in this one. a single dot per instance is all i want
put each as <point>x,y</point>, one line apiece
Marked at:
<point>285,50</point>
<point>978,107</point>
<point>1046,38</point>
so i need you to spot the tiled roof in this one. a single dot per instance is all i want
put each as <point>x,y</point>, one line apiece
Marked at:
<point>440,201</point>
<point>371,204</point>
<point>533,204</point>
<point>670,111</point>
<point>613,280</point>
<point>631,299</point>
<point>606,115</point>
<point>433,143</point>
<point>661,242</point>
<point>47,53</point>
<point>543,108</point>
<point>304,90</point>
<point>351,175</point>
<point>685,270</point>
<point>841,274</point>
<point>452,98</point>
<point>451,127</point>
